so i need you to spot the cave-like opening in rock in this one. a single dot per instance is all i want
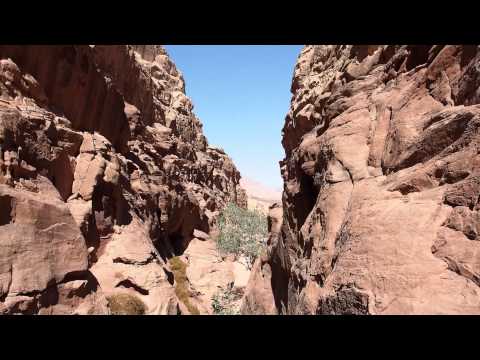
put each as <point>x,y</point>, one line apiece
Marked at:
<point>5,210</point>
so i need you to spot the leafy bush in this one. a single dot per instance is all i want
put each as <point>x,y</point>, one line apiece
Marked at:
<point>179,269</point>
<point>126,304</point>
<point>223,302</point>
<point>242,232</point>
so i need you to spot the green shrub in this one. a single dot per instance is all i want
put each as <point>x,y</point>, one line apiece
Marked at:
<point>126,304</point>
<point>223,302</point>
<point>242,232</point>
<point>179,269</point>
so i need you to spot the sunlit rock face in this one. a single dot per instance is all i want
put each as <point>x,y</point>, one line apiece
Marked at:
<point>104,175</point>
<point>381,185</point>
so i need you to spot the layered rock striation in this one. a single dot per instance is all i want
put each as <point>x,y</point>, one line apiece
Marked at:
<point>105,174</point>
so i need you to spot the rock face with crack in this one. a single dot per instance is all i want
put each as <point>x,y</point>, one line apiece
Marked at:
<point>258,296</point>
<point>381,185</point>
<point>104,175</point>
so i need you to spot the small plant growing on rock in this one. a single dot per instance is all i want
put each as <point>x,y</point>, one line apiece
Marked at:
<point>126,304</point>
<point>223,302</point>
<point>179,269</point>
<point>242,232</point>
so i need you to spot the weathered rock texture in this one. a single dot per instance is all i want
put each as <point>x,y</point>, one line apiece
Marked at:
<point>381,185</point>
<point>209,274</point>
<point>258,297</point>
<point>104,175</point>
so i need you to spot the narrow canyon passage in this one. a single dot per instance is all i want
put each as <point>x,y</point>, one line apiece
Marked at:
<point>246,125</point>
<point>119,196</point>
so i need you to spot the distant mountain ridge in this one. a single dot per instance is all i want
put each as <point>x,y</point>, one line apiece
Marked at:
<point>260,196</point>
<point>259,191</point>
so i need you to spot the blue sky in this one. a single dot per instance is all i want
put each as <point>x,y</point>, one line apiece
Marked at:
<point>241,93</point>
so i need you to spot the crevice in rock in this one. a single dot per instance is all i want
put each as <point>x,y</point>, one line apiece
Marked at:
<point>387,143</point>
<point>5,210</point>
<point>3,297</point>
<point>127,283</point>
<point>61,175</point>
<point>305,199</point>
<point>170,276</point>
<point>123,260</point>
<point>178,243</point>
<point>458,268</point>
<point>387,53</point>
<point>280,272</point>
<point>419,55</point>
<point>163,247</point>
<point>109,208</point>
<point>79,275</point>
<point>468,53</point>
<point>434,51</point>
<point>41,302</point>
<point>137,161</point>
<point>342,237</point>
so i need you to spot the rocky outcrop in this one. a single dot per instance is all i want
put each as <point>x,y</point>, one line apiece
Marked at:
<point>209,274</point>
<point>381,184</point>
<point>258,297</point>
<point>105,174</point>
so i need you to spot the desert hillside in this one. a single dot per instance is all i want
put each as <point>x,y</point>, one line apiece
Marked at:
<point>260,196</point>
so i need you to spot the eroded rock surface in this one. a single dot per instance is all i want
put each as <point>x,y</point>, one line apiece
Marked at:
<point>210,274</point>
<point>105,174</point>
<point>258,297</point>
<point>381,185</point>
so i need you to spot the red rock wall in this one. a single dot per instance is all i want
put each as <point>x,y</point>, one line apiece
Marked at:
<point>104,136</point>
<point>381,191</point>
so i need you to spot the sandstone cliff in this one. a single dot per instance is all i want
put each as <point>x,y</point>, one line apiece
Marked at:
<point>105,174</point>
<point>381,185</point>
